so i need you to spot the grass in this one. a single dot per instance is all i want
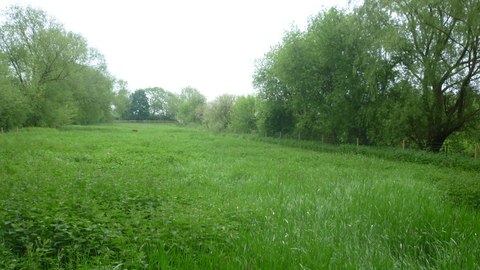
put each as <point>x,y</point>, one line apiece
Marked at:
<point>166,197</point>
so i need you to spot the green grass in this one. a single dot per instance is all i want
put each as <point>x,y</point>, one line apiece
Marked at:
<point>166,197</point>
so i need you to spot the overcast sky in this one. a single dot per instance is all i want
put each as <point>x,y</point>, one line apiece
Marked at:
<point>207,44</point>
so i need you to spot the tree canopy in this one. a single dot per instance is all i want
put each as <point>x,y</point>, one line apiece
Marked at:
<point>190,101</point>
<point>139,108</point>
<point>386,71</point>
<point>56,77</point>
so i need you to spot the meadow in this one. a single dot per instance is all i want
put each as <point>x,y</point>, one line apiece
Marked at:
<point>169,197</point>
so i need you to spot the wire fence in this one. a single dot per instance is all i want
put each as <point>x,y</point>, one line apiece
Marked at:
<point>448,147</point>
<point>146,121</point>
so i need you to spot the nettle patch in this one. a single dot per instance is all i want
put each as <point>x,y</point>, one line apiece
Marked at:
<point>91,218</point>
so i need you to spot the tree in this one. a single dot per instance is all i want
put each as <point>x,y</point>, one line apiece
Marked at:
<point>436,45</point>
<point>121,101</point>
<point>274,111</point>
<point>13,107</point>
<point>162,103</point>
<point>92,96</point>
<point>48,65</point>
<point>243,115</point>
<point>189,100</point>
<point>313,82</point>
<point>216,115</point>
<point>139,107</point>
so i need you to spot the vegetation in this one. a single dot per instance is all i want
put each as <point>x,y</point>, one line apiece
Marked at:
<point>139,108</point>
<point>52,76</point>
<point>166,197</point>
<point>386,71</point>
<point>381,72</point>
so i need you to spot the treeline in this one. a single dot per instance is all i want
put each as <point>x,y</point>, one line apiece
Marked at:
<point>382,72</point>
<point>50,77</point>
<point>387,70</point>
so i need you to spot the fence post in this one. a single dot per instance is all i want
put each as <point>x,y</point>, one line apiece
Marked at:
<point>403,145</point>
<point>476,151</point>
<point>358,142</point>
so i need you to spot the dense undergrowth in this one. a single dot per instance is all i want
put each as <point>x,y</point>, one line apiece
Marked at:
<point>166,197</point>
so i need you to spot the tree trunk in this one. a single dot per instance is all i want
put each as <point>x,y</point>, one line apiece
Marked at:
<point>436,144</point>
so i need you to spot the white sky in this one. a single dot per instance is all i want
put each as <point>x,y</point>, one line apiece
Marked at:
<point>209,44</point>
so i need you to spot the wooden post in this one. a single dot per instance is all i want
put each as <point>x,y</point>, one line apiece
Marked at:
<point>403,144</point>
<point>358,142</point>
<point>476,151</point>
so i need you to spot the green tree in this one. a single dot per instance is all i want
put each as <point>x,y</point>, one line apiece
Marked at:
<point>189,100</point>
<point>13,107</point>
<point>313,82</point>
<point>45,60</point>
<point>243,115</point>
<point>216,114</point>
<point>139,107</point>
<point>162,103</point>
<point>92,95</point>
<point>274,111</point>
<point>436,45</point>
<point>121,101</point>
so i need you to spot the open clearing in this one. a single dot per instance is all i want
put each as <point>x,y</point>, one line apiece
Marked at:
<point>167,197</point>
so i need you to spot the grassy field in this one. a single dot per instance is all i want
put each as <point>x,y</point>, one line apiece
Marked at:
<point>166,197</point>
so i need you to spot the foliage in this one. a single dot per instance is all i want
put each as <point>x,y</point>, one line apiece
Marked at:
<point>436,46</point>
<point>163,104</point>
<point>60,79</point>
<point>215,115</point>
<point>190,101</point>
<point>243,115</point>
<point>93,96</point>
<point>13,110</point>
<point>319,75</point>
<point>139,108</point>
<point>385,71</point>
<point>121,102</point>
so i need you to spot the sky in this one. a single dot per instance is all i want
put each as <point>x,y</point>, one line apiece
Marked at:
<point>210,45</point>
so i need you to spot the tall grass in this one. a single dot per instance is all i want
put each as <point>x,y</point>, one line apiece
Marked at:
<point>104,197</point>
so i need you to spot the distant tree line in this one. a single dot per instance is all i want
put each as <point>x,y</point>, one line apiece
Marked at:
<point>386,71</point>
<point>382,72</point>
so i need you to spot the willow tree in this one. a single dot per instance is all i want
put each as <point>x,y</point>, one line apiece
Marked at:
<point>50,65</point>
<point>189,101</point>
<point>319,77</point>
<point>436,44</point>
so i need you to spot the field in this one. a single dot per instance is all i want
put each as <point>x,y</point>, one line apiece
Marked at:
<point>167,197</point>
